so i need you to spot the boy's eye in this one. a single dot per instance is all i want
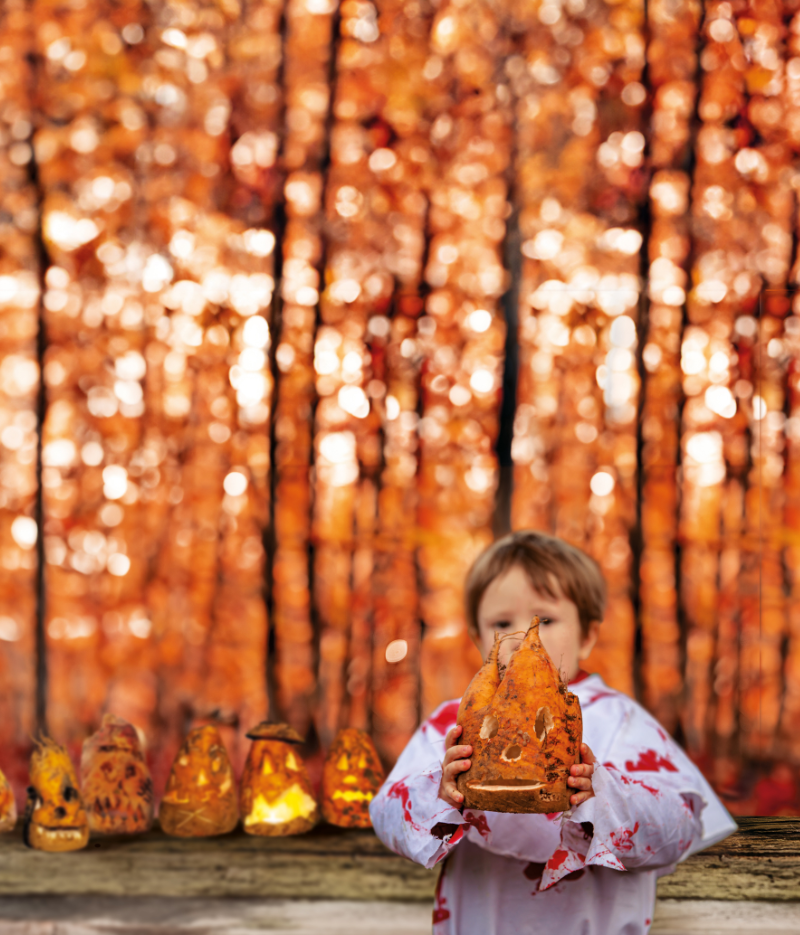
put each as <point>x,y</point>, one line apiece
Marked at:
<point>502,624</point>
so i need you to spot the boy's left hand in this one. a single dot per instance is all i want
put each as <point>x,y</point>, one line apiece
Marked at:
<point>580,777</point>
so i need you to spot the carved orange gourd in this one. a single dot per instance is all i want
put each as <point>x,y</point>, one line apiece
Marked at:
<point>8,805</point>
<point>201,799</point>
<point>479,694</point>
<point>55,819</point>
<point>525,738</point>
<point>276,796</point>
<point>351,778</point>
<point>115,781</point>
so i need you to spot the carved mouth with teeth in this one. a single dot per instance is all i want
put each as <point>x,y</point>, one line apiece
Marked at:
<point>56,839</point>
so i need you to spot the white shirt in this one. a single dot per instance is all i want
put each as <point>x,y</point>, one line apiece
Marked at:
<point>589,871</point>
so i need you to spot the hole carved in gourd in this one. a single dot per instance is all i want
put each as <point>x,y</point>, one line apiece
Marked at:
<point>543,724</point>
<point>489,727</point>
<point>511,753</point>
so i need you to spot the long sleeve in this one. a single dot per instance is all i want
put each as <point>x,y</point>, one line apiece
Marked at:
<point>411,819</point>
<point>407,813</point>
<point>651,806</point>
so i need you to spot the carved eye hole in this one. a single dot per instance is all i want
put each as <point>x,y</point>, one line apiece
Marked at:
<point>489,727</point>
<point>70,794</point>
<point>543,724</point>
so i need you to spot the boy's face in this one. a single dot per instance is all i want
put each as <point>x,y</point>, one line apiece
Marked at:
<point>510,603</point>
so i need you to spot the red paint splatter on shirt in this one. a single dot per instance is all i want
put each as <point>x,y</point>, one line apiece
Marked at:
<point>552,816</point>
<point>628,781</point>
<point>400,791</point>
<point>622,839</point>
<point>444,720</point>
<point>478,822</point>
<point>440,912</point>
<point>600,695</point>
<point>646,921</point>
<point>650,762</point>
<point>557,859</point>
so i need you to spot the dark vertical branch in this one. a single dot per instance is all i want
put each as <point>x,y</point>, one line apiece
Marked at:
<point>636,534</point>
<point>269,539</point>
<point>512,261</point>
<point>41,640</point>
<point>41,405</point>
<point>501,521</point>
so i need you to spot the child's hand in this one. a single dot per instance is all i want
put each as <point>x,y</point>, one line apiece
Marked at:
<point>454,762</point>
<point>580,777</point>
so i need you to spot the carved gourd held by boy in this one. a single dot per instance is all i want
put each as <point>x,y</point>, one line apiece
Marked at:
<point>525,729</point>
<point>276,797</point>
<point>8,806</point>
<point>201,799</point>
<point>55,819</point>
<point>115,780</point>
<point>351,778</point>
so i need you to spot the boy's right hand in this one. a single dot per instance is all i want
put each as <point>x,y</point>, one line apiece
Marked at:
<point>455,761</point>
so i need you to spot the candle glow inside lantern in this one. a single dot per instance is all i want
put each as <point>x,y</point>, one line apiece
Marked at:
<point>276,797</point>
<point>201,799</point>
<point>351,778</point>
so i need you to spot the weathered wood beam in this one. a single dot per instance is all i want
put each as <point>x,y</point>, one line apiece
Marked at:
<point>760,862</point>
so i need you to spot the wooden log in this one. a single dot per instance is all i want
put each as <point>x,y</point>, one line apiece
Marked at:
<point>760,862</point>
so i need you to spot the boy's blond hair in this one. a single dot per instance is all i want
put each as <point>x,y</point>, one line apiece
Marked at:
<point>547,561</point>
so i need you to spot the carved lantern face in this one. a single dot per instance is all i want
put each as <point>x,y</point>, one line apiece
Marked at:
<point>55,819</point>
<point>8,806</point>
<point>525,730</point>
<point>277,798</point>
<point>115,780</point>
<point>201,799</point>
<point>350,780</point>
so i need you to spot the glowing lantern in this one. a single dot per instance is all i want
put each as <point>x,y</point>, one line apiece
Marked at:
<point>115,780</point>
<point>201,799</point>
<point>525,729</point>
<point>55,819</point>
<point>276,795</point>
<point>8,807</point>
<point>352,776</point>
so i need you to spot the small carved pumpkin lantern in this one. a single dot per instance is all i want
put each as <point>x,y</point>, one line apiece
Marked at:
<point>201,799</point>
<point>115,780</point>
<point>55,819</point>
<point>276,796</point>
<point>525,730</point>
<point>8,806</point>
<point>351,778</point>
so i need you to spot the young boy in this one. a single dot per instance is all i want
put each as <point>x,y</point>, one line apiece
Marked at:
<point>640,806</point>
